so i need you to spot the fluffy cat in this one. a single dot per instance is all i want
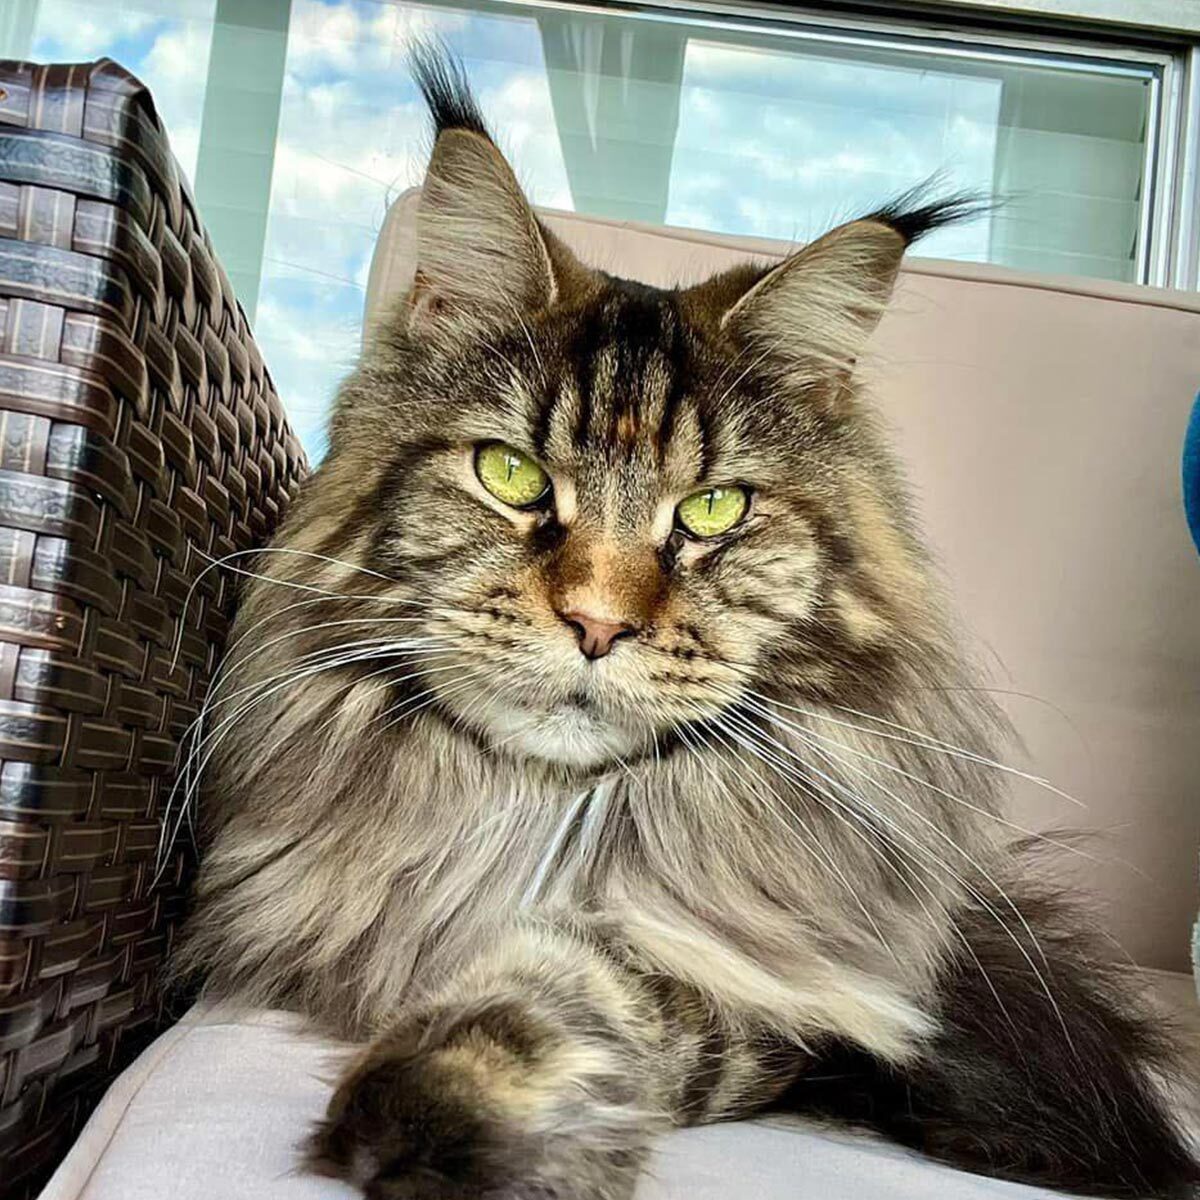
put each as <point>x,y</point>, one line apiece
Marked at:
<point>595,748</point>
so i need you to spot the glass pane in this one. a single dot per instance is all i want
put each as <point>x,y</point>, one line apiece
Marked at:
<point>811,134</point>
<point>684,123</point>
<point>682,120</point>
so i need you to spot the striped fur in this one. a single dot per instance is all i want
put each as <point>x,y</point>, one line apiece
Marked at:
<point>569,904</point>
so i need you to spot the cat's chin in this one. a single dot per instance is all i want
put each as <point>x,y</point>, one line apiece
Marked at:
<point>569,735</point>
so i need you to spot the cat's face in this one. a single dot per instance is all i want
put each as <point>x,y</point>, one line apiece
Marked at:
<point>622,508</point>
<point>615,531</point>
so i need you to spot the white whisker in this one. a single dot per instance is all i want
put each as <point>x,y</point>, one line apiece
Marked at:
<point>960,879</point>
<point>925,742</point>
<point>783,722</point>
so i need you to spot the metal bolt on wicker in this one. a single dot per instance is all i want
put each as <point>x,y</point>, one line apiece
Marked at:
<point>140,437</point>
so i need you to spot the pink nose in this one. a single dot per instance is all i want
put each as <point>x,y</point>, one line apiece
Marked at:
<point>596,636</point>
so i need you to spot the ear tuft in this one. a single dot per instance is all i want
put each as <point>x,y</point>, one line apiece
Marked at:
<point>917,212</point>
<point>447,92</point>
<point>482,259</point>
<point>811,315</point>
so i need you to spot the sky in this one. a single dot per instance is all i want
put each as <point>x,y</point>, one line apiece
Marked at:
<point>775,138</point>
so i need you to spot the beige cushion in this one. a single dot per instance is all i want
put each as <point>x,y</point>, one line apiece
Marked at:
<point>216,1108</point>
<point>1042,421</point>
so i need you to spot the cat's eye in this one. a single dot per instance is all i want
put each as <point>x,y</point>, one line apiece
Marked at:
<point>509,475</point>
<point>713,511</point>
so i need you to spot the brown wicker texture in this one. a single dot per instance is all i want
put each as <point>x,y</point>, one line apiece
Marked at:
<point>140,436</point>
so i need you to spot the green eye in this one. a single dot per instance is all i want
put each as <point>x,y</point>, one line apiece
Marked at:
<point>509,475</point>
<point>713,511</point>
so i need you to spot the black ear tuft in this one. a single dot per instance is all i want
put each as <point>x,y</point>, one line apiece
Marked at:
<point>443,82</point>
<point>481,256</point>
<point>916,212</point>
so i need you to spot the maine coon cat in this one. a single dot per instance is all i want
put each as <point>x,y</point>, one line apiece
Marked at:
<point>595,748</point>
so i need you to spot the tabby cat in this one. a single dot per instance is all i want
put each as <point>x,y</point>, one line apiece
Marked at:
<point>594,746</point>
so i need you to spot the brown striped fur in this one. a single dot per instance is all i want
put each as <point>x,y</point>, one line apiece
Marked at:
<point>569,904</point>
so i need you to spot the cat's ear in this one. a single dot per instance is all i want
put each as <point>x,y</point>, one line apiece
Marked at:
<point>481,254</point>
<point>813,313</point>
<point>810,317</point>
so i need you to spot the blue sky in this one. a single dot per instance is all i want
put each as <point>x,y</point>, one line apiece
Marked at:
<point>779,139</point>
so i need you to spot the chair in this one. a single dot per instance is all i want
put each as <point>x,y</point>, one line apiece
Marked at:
<point>140,439</point>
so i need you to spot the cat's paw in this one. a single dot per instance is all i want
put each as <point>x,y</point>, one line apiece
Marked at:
<point>456,1121</point>
<point>406,1125</point>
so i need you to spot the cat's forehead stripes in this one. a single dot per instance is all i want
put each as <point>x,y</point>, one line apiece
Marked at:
<point>626,388</point>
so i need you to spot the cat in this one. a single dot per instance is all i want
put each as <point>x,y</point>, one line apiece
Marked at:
<point>595,746</point>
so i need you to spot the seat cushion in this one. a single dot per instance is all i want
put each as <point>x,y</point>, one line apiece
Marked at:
<point>216,1107</point>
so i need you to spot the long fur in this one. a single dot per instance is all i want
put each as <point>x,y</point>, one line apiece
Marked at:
<point>569,904</point>
<point>1064,1094</point>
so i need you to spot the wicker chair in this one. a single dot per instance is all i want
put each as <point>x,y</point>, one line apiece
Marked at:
<point>140,438</point>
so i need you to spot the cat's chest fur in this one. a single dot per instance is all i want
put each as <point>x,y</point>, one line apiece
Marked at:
<point>635,854</point>
<point>673,861</point>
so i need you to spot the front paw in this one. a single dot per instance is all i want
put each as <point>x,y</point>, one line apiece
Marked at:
<point>408,1124</point>
<point>482,1103</point>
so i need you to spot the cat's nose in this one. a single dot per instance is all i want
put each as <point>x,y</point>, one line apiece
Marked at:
<point>596,634</point>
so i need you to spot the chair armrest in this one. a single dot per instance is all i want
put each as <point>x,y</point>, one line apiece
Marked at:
<point>140,437</point>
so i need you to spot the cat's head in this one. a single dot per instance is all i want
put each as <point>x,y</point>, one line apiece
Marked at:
<point>618,508</point>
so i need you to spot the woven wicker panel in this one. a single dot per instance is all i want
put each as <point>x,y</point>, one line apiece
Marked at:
<point>140,437</point>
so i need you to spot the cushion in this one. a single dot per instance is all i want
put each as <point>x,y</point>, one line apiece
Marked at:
<point>215,1109</point>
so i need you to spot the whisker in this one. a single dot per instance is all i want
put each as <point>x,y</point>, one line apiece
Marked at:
<point>191,772</point>
<point>775,718</point>
<point>963,882</point>
<point>927,742</point>
<point>816,794</point>
<point>809,842</point>
<point>225,560</point>
<point>469,680</point>
<point>228,659</point>
<point>345,653</point>
<point>227,667</point>
<point>391,681</point>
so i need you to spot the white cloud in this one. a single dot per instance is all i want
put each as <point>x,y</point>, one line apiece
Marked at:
<point>784,143</point>
<point>336,36</point>
<point>308,355</point>
<point>174,38</point>
<point>76,29</point>
<point>352,137</point>
<point>185,142</point>
<point>275,322</point>
<point>347,37</point>
<point>177,60</point>
<point>338,166</point>
<point>344,154</point>
<point>521,113</point>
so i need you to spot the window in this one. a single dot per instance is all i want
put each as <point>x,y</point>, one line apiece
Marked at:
<point>298,125</point>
